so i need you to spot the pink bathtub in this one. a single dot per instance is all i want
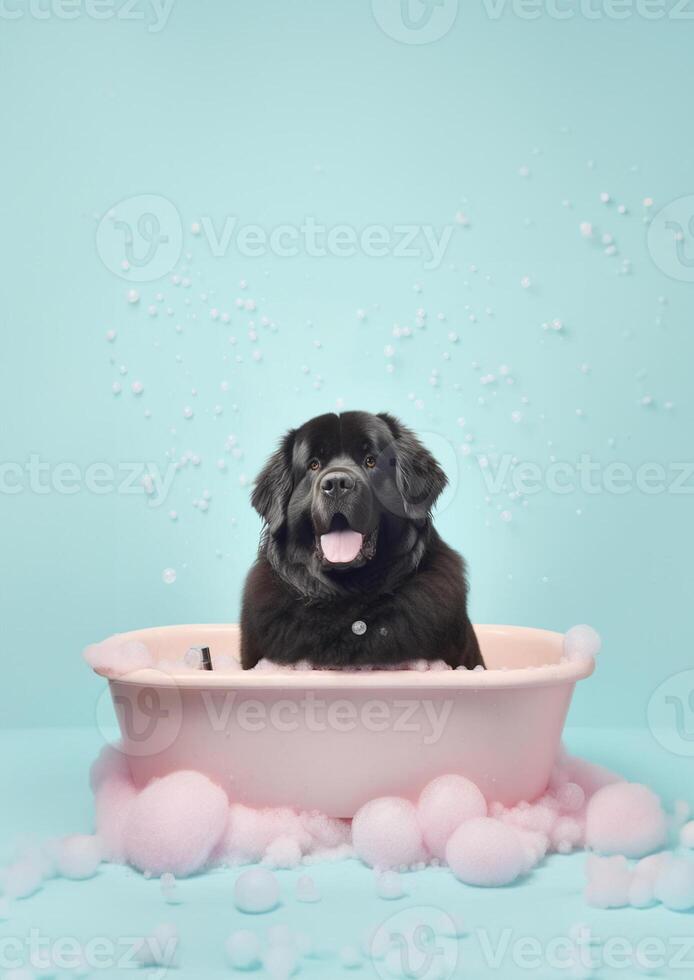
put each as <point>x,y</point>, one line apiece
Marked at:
<point>331,741</point>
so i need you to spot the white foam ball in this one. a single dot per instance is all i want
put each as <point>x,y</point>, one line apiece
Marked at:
<point>77,856</point>
<point>22,879</point>
<point>486,852</point>
<point>307,890</point>
<point>280,962</point>
<point>175,823</point>
<point>687,834</point>
<point>674,886</point>
<point>581,643</point>
<point>243,950</point>
<point>256,891</point>
<point>625,818</point>
<point>386,833</point>
<point>608,881</point>
<point>443,806</point>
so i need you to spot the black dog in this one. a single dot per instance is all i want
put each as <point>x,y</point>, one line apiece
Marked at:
<point>351,572</point>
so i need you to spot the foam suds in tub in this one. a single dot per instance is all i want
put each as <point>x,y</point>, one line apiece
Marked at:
<point>119,656</point>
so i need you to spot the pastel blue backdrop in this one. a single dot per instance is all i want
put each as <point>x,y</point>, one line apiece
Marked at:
<point>501,134</point>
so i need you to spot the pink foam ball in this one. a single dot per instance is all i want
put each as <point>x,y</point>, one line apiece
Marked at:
<point>175,823</point>
<point>570,797</point>
<point>486,852</point>
<point>443,805</point>
<point>112,802</point>
<point>625,818</point>
<point>386,833</point>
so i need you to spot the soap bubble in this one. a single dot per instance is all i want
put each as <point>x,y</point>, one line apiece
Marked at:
<point>280,962</point>
<point>256,890</point>
<point>359,627</point>
<point>307,890</point>
<point>169,576</point>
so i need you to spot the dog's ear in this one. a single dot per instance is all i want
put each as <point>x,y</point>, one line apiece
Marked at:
<point>273,486</point>
<point>419,478</point>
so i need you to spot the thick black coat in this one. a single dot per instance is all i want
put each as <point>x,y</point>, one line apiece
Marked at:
<point>407,586</point>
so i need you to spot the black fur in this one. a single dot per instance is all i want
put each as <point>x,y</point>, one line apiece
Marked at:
<point>406,584</point>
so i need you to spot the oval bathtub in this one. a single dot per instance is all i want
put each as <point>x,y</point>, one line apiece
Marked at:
<point>330,740</point>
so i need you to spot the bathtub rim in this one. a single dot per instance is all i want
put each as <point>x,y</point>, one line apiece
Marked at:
<point>562,672</point>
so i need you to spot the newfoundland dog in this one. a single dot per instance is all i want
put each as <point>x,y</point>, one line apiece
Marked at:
<point>350,571</point>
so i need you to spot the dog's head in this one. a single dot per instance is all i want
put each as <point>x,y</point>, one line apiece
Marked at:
<point>345,491</point>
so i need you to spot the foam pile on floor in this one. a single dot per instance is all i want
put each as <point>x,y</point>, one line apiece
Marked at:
<point>183,823</point>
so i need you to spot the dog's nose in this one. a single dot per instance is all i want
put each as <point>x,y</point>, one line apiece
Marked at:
<point>337,483</point>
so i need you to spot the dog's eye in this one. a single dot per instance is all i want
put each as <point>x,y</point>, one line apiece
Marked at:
<point>370,462</point>
<point>314,464</point>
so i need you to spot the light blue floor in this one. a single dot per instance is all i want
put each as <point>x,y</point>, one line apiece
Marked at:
<point>45,792</point>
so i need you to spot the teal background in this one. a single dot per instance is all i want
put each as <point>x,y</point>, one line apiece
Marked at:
<point>275,111</point>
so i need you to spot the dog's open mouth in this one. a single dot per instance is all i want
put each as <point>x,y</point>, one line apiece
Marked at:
<point>341,545</point>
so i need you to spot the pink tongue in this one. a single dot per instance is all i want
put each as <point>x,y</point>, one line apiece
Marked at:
<point>341,546</point>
